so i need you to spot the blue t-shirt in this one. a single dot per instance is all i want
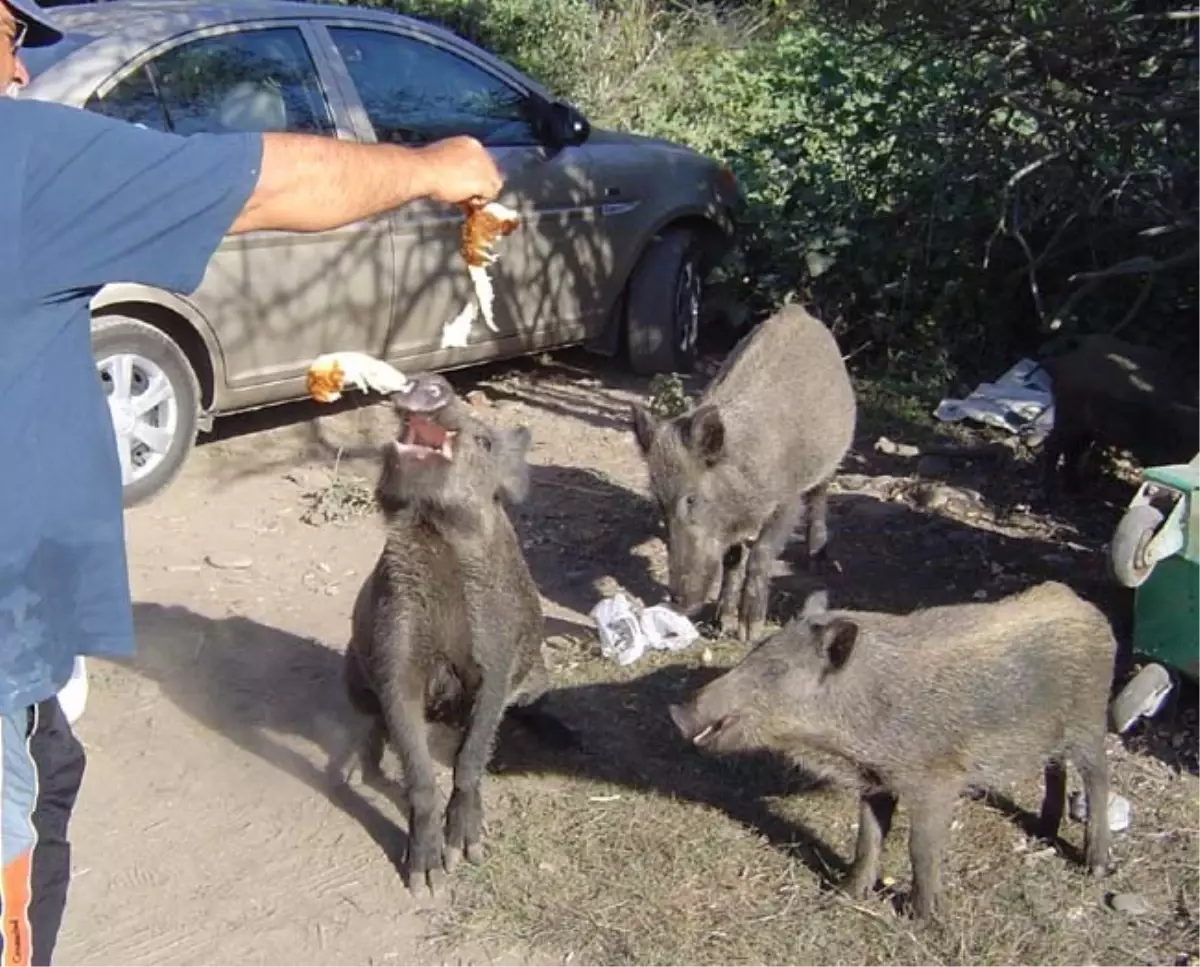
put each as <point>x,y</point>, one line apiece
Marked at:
<point>85,201</point>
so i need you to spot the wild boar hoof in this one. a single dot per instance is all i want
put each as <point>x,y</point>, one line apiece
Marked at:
<point>731,624</point>
<point>858,884</point>
<point>426,884</point>
<point>425,862</point>
<point>751,631</point>
<point>1096,865</point>
<point>475,853</point>
<point>921,906</point>
<point>464,825</point>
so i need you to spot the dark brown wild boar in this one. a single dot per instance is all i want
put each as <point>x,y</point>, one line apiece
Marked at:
<point>734,475</point>
<point>1108,392</point>
<point>449,623</point>
<point>918,707</point>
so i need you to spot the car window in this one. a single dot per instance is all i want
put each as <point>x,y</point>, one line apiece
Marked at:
<point>415,92</point>
<point>250,80</point>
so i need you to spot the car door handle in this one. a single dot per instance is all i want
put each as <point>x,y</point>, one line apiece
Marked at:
<point>612,192</point>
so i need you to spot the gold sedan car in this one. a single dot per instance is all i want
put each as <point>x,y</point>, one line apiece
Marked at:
<point>617,230</point>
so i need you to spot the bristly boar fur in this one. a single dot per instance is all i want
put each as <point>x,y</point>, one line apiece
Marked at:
<point>449,621</point>
<point>735,474</point>
<point>918,707</point>
<point>1108,392</point>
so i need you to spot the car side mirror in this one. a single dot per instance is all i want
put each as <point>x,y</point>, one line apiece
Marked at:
<point>565,126</point>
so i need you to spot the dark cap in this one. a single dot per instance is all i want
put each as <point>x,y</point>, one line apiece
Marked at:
<point>40,32</point>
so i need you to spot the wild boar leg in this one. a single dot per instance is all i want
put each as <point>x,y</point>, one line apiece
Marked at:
<point>733,581</point>
<point>405,715</point>
<point>874,822</point>
<point>763,554</point>
<point>464,814</point>
<point>930,818</point>
<point>816,508</point>
<point>1093,767</point>
<point>1054,796</point>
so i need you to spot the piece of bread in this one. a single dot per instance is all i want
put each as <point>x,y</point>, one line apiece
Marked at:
<point>330,373</point>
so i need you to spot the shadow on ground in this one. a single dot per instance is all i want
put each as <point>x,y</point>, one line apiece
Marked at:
<point>578,527</point>
<point>262,689</point>
<point>279,696</point>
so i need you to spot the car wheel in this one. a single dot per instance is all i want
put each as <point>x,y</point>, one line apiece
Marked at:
<point>153,398</point>
<point>662,321</point>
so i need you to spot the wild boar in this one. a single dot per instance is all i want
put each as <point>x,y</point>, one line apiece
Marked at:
<point>1108,392</point>
<point>735,474</point>
<point>449,622</point>
<point>918,707</point>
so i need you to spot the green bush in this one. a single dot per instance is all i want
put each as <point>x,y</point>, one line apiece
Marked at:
<point>947,185</point>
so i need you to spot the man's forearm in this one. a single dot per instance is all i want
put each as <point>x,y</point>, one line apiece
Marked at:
<point>312,184</point>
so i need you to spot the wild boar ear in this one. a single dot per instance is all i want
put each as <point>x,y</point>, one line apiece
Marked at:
<point>514,470</point>
<point>644,425</point>
<point>816,604</point>
<point>520,438</point>
<point>838,639</point>
<point>704,434</point>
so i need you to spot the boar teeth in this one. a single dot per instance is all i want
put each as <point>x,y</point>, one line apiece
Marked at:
<point>701,736</point>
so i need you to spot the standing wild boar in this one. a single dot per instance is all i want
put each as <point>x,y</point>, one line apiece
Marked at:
<point>734,475</point>
<point>449,621</point>
<point>1109,392</point>
<point>918,707</point>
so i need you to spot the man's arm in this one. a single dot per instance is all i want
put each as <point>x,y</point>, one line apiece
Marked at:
<point>312,184</point>
<point>103,201</point>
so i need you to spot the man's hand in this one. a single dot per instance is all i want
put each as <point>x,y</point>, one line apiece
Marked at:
<point>313,184</point>
<point>460,169</point>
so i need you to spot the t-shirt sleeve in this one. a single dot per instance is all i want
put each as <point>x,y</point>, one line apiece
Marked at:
<point>106,201</point>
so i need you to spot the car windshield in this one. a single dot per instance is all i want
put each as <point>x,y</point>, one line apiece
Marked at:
<point>40,59</point>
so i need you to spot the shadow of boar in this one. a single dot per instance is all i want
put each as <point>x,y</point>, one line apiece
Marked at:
<point>448,625</point>
<point>1108,392</point>
<point>919,707</point>
<point>735,474</point>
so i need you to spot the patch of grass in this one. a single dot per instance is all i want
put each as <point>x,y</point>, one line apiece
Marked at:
<point>343,498</point>
<point>668,396</point>
<point>640,850</point>
<point>886,403</point>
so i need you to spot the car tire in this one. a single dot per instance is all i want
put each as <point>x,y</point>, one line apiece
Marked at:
<point>154,436</point>
<point>662,315</point>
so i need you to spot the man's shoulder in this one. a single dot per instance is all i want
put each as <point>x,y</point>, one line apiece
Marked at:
<point>18,113</point>
<point>47,128</point>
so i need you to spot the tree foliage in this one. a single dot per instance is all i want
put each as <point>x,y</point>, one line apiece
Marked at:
<point>946,184</point>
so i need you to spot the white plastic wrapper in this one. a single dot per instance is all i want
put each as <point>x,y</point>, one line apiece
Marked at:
<point>625,636</point>
<point>1119,810</point>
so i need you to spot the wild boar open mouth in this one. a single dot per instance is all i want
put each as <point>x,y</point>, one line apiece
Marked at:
<point>422,438</point>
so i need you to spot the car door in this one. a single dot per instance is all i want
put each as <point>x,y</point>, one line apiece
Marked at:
<point>274,299</point>
<point>411,87</point>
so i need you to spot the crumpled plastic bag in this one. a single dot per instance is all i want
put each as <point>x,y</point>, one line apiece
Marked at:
<point>625,634</point>
<point>1120,812</point>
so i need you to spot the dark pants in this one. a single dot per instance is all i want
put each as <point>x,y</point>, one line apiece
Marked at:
<point>41,768</point>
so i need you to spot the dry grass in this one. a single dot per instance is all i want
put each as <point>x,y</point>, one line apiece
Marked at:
<point>642,851</point>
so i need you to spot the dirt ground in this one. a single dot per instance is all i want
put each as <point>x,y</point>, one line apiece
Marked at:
<point>208,831</point>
